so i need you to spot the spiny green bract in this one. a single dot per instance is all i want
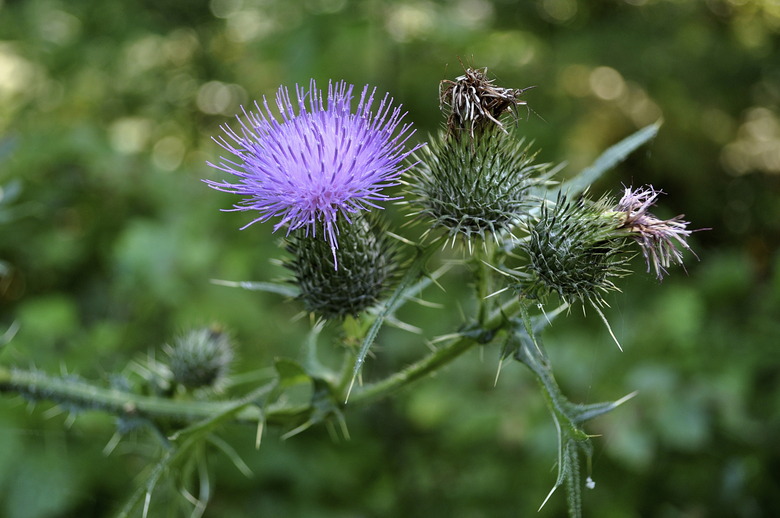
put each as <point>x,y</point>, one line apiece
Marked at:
<point>575,249</point>
<point>367,267</point>
<point>473,187</point>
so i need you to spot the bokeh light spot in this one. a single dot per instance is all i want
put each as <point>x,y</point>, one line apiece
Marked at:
<point>757,144</point>
<point>59,27</point>
<point>607,83</point>
<point>249,25</point>
<point>15,72</point>
<point>168,153</point>
<point>575,80</point>
<point>144,54</point>
<point>325,6</point>
<point>180,46</point>
<point>225,8</point>
<point>409,22</point>
<point>508,48</point>
<point>217,98</point>
<point>560,10</point>
<point>130,135</point>
<point>474,13</point>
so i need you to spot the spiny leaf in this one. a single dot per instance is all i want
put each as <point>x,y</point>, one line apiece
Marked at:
<point>606,161</point>
<point>269,287</point>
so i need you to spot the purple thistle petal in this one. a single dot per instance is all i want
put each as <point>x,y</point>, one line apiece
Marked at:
<point>658,238</point>
<point>319,161</point>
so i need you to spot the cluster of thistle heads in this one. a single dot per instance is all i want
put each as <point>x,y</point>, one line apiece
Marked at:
<point>321,167</point>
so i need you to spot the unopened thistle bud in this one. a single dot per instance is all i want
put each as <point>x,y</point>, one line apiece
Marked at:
<point>474,188</point>
<point>575,250</point>
<point>367,267</point>
<point>201,358</point>
<point>658,238</point>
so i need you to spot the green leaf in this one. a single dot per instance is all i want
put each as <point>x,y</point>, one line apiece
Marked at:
<point>568,416</point>
<point>290,373</point>
<point>608,159</point>
<point>268,287</point>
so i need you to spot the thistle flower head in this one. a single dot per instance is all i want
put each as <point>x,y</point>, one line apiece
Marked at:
<point>658,238</point>
<point>475,102</point>
<point>201,358</point>
<point>473,189</point>
<point>368,267</point>
<point>319,163</point>
<point>574,250</point>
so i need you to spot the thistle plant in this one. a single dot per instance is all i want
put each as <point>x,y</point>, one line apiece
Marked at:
<point>574,250</point>
<point>474,178</point>
<point>320,168</point>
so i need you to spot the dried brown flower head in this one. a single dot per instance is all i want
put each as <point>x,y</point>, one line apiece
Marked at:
<point>475,102</point>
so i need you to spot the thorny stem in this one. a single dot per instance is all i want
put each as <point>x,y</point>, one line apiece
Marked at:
<point>532,358</point>
<point>488,324</point>
<point>417,370</point>
<point>573,441</point>
<point>412,274</point>
<point>483,276</point>
<point>83,395</point>
<point>80,394</point>
<point>495,321</point>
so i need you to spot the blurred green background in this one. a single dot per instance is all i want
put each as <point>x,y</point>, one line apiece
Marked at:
<point>108,240</point>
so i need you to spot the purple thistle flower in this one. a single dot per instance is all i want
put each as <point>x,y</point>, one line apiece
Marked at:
<point>658,238</point>
<point>320,161</point>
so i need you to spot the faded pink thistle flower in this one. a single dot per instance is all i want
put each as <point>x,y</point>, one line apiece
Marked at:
<point>658,238</point>
<point>320,163</point>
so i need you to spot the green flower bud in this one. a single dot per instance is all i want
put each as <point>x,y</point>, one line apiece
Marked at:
<point>575,249</point>
<point>473,188</point>
<point>366,261</point>
<point>201,358</point>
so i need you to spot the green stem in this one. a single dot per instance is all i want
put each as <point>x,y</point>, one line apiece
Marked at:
<point>532,357</point>
<point>414,271</point>
<point>494,322</point>
<point>417,370</point>
<point>498,318</point>
<point>83,395</point>
<point>483,277</point>
<point>572,440</point>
